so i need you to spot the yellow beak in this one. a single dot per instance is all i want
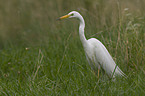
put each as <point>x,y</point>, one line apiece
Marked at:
<point>63,17</point>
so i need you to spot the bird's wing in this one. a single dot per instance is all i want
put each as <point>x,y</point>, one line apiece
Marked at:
<point>104,58</point>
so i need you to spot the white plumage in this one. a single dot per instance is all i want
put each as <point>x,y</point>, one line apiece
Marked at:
<point>96,53</point>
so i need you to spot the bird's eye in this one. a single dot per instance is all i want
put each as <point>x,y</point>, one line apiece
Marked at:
<point>71,14</point>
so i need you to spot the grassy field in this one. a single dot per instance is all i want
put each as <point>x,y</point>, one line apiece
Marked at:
<point>42,56</point>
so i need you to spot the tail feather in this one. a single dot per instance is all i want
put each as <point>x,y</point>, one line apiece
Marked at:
<point>121,73</point>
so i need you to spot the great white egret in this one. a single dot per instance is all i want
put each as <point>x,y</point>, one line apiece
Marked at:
<point>96,53</point>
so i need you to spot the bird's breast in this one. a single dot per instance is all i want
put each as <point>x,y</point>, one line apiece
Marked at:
<point>89,50</point>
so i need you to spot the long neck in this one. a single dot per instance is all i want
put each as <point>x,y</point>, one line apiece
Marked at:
<point>81,31</point>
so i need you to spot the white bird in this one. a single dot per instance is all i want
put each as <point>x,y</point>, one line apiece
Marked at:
<point>96,53</point>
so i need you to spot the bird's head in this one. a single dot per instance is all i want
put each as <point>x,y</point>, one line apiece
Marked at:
<point>70,15</point>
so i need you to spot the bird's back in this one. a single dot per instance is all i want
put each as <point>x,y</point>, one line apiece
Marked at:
<point>103,58</point>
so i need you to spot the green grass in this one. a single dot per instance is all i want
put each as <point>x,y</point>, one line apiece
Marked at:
<point>41,56</point>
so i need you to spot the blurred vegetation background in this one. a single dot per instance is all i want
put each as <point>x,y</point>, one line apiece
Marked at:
<point>31,22</point>
<point>39,55</point>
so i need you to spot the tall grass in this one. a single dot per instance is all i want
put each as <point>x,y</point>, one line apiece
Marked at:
<point>41,56</point>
